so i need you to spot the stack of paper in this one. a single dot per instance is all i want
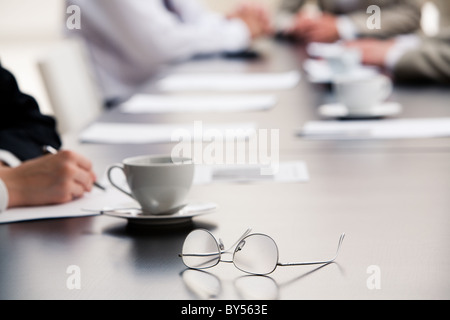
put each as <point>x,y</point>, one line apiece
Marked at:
<point>230,81</point>
<point>377,129</point>
<point>147,103</point>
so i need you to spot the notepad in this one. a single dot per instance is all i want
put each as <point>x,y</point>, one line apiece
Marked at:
<point>72,209</point>
<point>295,171</point>
<point>133,133</point>
<point>377,129</point>
<point>230,81</point>
<point>148,103</point>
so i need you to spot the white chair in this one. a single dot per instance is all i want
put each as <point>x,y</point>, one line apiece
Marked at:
<point>70,85</point>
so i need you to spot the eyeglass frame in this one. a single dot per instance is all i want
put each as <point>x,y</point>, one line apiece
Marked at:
<point>247,234</point>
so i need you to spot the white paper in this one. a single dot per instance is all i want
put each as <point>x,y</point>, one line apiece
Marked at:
<point>148,103</point>
<point>115,133</point>
<point>320,71</point>
<point>377,129</point>
<point>296,171</point>
<point>325,50</point>
<point>230,81</point>
<point>95,199</point>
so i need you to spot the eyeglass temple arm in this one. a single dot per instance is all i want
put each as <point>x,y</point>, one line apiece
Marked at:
<point>341,239</point>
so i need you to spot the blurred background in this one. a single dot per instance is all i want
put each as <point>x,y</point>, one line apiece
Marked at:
<point>28,29</point>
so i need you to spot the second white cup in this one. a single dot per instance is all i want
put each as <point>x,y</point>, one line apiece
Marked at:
<point>362,94</point>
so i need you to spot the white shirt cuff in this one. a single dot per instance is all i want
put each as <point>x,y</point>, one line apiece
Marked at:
<point>402,45</point>
<point>284,21</point>
<point>346,28</point>
<point>237,37</point>
<point>9,159</point>
<point>4,196</point>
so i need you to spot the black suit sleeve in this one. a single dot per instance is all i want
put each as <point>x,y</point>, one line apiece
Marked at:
<point>23,129</point>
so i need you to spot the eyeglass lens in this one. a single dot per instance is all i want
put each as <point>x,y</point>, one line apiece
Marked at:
<point>200,250</point>
<point>256,254</point>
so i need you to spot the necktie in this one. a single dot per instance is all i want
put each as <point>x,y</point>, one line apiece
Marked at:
<point>168,4</point>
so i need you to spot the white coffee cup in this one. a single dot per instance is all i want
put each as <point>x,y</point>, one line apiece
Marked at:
<point>362,94</point>
<point>159,184</point>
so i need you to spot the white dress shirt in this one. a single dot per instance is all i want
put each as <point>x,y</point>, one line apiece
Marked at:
<point>12,161</point>
<point>131,40</point>
<point>4,197</point>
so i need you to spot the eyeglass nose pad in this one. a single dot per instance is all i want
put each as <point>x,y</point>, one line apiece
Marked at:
<point>240,245</point>
<point>221,246</point>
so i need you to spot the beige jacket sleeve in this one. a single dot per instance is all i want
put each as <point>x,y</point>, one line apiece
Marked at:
<point>291,6</point>
<point>429,63</point>
<point>397,16</point>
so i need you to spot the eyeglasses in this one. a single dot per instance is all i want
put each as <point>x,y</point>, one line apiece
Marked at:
<point>255,253</point>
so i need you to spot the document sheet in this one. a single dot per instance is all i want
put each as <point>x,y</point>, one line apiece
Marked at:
<point>152,103</point>
<point>230,81</point>
<point>77,208</point>
<point>296,171</point>
<point>377,129</point>
<point>133,133</point>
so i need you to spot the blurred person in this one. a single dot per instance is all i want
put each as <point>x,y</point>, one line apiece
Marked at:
<point>424,59</point>
<point>346,19</point>
<point>415,57</point>
<point>27,177</point>
<point>130,41</point>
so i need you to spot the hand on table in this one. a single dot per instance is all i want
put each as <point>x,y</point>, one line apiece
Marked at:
<point>322,28</point>
<point>50,179</point>
<point>256,17</point>
<point>373,51</point>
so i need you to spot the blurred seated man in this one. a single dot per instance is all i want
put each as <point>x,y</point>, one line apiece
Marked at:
<point>415,57</point>
<point>421,59</point>
<point>27,177</point>
<point>131,40</point>
<point>347,19</point>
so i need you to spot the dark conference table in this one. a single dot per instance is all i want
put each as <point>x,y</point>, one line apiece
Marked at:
<point>390,197</point>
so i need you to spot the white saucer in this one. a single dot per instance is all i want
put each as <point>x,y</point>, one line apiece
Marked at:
<point>337,110</point>
<point>185,215</point>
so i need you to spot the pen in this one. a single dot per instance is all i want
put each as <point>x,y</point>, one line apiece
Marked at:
<point>51,150</point>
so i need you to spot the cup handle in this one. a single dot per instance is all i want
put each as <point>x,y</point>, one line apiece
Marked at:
<point>110,169</point>
<point>387,88</point>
